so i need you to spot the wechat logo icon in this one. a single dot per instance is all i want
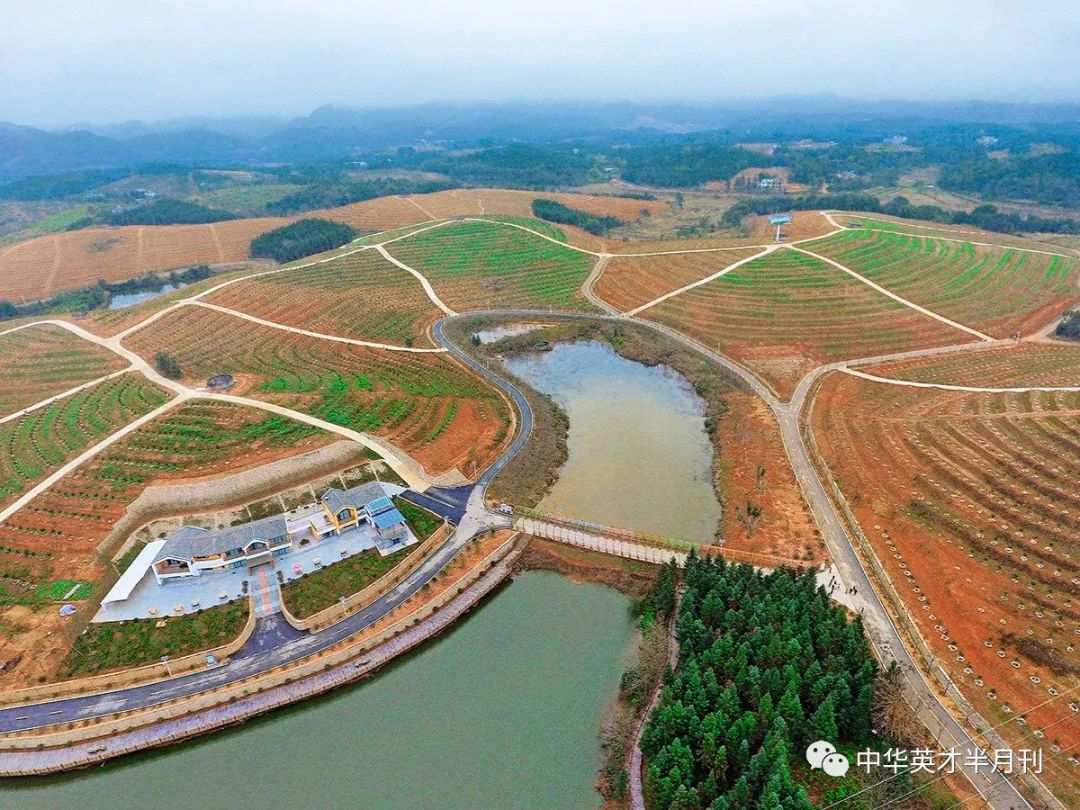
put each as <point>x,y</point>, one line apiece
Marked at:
<point>823,755</point>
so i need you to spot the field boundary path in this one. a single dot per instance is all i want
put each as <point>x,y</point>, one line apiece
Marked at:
<point>319,335</point>
<point>885,636</point>
<point>970,388</point>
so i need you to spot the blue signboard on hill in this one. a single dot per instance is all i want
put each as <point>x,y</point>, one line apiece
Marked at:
<point>780,219</point>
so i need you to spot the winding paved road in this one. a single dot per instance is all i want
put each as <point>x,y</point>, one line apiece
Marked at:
<point>273,645</point>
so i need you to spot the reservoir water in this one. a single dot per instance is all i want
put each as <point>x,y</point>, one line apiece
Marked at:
<point>502,711</point>
<point>639,456</point>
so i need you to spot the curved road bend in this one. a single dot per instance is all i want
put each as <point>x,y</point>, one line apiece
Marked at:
<point>999,793</point>
<point>273,645</point>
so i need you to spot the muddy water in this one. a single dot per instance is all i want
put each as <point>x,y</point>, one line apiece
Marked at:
<point>500,712</point>
<point>639,456</point>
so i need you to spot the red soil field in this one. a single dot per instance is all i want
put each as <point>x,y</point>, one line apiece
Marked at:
<point>629,282</point>
<point>41,267</point>
<point>1017,366</point>
<point>360,296</point>
<point>787,313</point>
<point>44,266</point>
<point>426,404</point>
<point>970,502</point>
<point>749,440</point>
<point>41,361</point>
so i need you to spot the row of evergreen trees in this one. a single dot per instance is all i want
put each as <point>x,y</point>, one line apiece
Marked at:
<point>555,211</point>
<point>301,238</point>
<point>767,666</point>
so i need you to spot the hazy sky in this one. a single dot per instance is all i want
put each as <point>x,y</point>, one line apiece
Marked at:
<point>63,61</point>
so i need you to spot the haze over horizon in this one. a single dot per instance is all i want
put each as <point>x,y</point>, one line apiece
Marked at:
<point>122,60</point>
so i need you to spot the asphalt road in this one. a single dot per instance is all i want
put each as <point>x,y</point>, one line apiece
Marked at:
<point>271,645</point>
<point>274,641</point>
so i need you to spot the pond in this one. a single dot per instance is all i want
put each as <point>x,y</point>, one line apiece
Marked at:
<point>502,711</point>
<point>121,300</point>
<point>639,456</point>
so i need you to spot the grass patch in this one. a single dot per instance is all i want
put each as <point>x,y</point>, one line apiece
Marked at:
<point>60,589</point>
<point>128,644</point>
<point>422,522</point>
<point>321,589</point>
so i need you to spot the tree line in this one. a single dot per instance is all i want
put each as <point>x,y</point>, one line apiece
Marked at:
<point>168,212</point>
<point>555,211</point>
<point>301,238</point>
<point>987,217</point>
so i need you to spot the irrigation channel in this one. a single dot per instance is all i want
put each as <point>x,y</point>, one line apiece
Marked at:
<point>522,679</point>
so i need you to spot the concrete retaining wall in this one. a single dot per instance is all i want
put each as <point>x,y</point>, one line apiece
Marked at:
<point>64,750</point>
<point>109,681</point>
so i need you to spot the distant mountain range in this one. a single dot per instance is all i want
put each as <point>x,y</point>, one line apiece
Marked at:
<point>332,133</point>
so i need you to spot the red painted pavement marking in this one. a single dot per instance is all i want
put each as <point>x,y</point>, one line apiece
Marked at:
<point>265,592</point>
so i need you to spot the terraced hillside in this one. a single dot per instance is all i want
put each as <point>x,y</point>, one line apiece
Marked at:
<point>360,296</point>
<point>629,282</point>
<point>1021,365</point>
<point>33,447</point>
<point>786,313</point>
<point>41,361</point>
<point>425,403</point>
<point>993,289</point>
<point>971,503</point>
<point>63,526</point>
<point>480,265</point>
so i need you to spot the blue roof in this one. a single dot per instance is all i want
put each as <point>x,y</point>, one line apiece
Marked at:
<point>379,505</point>
<point>391,517</point>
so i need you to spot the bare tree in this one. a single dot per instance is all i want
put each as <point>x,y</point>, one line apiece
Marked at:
<point>749,516</point>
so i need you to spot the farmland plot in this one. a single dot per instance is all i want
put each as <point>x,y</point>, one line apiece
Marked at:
<point>42,267</point>
<point>57,535</point>
<point>1023,365</point>
<point>41,361</point>
<point>425,403</point>
<point>481,265</point>
<point>629,282</point>
<point>359,296</point>
<point>995,290</point>
<point>786,313</point>
<point>33,447</point>
<point>971,503</point>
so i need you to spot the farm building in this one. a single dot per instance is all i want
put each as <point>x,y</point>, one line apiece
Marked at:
<point>190,550</point>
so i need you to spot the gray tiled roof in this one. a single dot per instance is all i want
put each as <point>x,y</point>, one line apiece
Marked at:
<point>191,541</point>
<point>355,497</point>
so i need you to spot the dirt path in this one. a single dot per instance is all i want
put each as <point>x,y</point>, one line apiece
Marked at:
<point>971,388</point>
<point>320,335</point>
<point>55,268</point>
<point>217,241</point>
<point>88,454</point>
<point>733,266</point>
<point>431,294</point>
<point>421,208</point>
<point>63,395</point>
<point>588,288</point>
<point>910,304</point>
